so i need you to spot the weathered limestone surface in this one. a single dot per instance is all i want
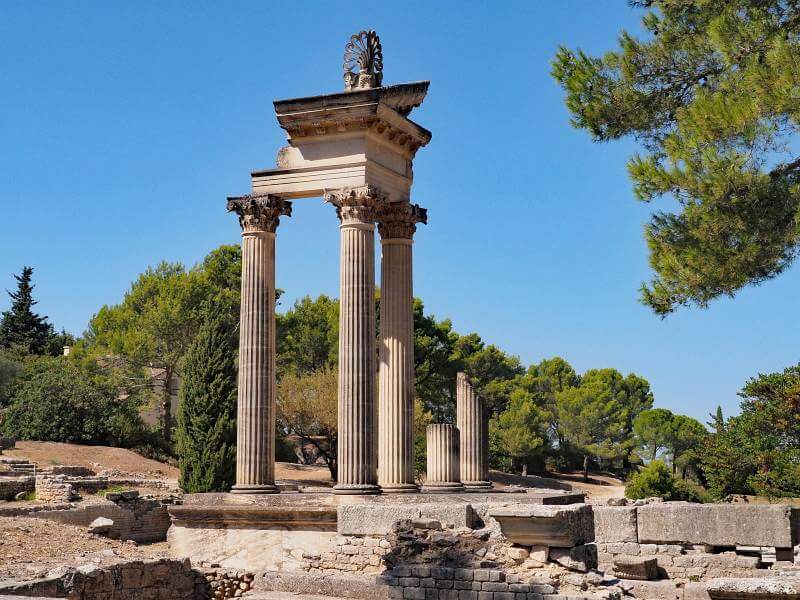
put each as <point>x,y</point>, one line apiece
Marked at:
<point>754,588</point>
<point>718,524</point>
<point>255,442</point>
<point>636,568</point>
<point>357,436</point>
<point>543,525</point>
<point>443,464</point>
<point>372,519</point>
<point>11,486</point>
<point>397,224</point>
<point>473,427</point>
<point>615,524</point>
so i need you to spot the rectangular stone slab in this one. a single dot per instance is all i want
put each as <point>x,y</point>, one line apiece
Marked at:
<point>615,524</point>
<point>378,519</point>
<point>718,524</point>
<point>756,588</point>
<point>546,525</point>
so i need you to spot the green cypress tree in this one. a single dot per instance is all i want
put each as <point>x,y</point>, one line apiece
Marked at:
<point>20,327</point>
<point>206,432</point>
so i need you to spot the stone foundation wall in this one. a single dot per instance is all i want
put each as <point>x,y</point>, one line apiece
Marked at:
<point>72,470</point>
<point>679,561</point>
<point>161,579</point>
<point>350,554</point>
<point>11,486</point>
<point>54,489</point>
<point>140,520</point>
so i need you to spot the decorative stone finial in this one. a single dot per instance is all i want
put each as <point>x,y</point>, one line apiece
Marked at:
<point>259,212</point>
<point>363,61</point>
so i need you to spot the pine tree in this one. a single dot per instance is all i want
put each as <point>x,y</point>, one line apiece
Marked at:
<point>20,327</point>
<point>206,432</point>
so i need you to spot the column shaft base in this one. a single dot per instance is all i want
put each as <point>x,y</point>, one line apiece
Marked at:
<point>477,485</point>
<point>442,487</point>
<point>255,489</point>
<point>399,488</point>
<point>356,489</point>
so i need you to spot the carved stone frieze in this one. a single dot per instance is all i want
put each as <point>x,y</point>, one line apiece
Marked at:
<point>259,212</point>
<point>399,219</point>
<point>356,204</point>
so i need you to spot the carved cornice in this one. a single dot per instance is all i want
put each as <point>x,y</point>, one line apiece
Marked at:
<point>259,213</point>
<point>356,204</point>
<point>399,220</point>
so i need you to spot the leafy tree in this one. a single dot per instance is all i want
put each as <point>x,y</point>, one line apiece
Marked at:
<point>686,441</point>
<point>153,327</point>
<point>520,430</point>
<point>222,271</point>
<point>435,370</point>
<point>308,336</point>
<point>591,418</point>
<point>206,431</point>
<point>711,93</point>
<point>654,431</point>
<point>422,419</point>
<point>758,451</point>
<point>308,407</point>
<point>717,422</point>
<point>20,327</point>
<point>10,371</point>
<point>58,401</point>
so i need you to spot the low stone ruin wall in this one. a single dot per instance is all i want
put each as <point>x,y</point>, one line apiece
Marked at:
<point>161,579</point>
<point>71,470</point>
<point>7,443</point>
<point>11,486</point>
<point>54,489</point>
<point>138,519</point>
<point>696,541</point>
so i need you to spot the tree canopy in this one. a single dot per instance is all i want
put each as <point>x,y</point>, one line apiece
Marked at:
<point>24,331</point>
<point>711,93</point>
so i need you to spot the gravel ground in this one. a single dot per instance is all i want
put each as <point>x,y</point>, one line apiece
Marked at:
<point>29,548</point>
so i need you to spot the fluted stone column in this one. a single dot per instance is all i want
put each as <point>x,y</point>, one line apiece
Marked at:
<point>473,428</point>
<point>397,224</point>
<point>255,416</point>
<point>356,456</point>
<point>443,463</point>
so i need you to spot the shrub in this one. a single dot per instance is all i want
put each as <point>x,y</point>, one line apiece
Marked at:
<point>60,402</point>
<point>656,480</point>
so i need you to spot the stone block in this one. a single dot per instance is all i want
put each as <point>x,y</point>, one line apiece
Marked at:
<point>636,568</point>
<point>718,524</point>
<point>615,524</point>
<point>554,526</point>
<point>578,558</point>
<point>655,590</point>
<point>101,526</point>
<point>731,588</point>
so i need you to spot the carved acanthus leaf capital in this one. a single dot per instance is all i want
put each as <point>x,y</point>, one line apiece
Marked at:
<point>356,204</point>
<point>399,220</point>
<point>260,212</point>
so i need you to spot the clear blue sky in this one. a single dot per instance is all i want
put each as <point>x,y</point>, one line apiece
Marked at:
<point>123,127</point>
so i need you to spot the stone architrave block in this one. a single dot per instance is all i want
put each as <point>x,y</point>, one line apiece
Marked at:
<point>546,525</point>
<point>378,519</point>
<point>615,524</point>
<point>718,524</point>
<point>634,567</point>
<point>756,588</point>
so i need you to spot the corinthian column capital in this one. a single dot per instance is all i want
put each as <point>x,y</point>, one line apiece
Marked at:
<point>259,212</point>
<point>399,220</point>
<point>356,205</point>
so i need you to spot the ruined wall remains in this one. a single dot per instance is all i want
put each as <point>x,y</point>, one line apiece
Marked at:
<point>54,489</point>
<point>11,486</point>
<point>139,519</point>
